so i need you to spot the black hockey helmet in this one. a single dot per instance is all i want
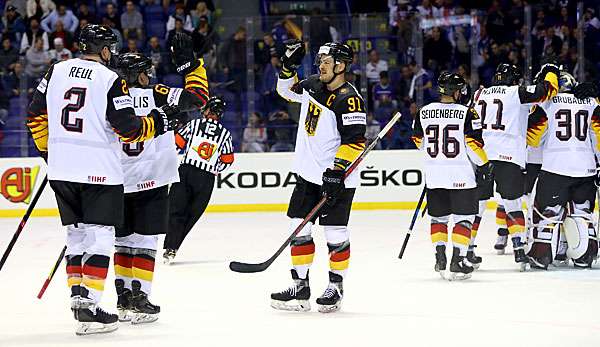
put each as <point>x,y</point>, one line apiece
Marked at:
<point>449,83</point>
<point>131,65</point>
<point>215,105</point>
<point>506,75</point>
<point>338,51</point>
<point>93,38</point>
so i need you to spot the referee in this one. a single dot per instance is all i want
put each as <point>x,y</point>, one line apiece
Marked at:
<point>208,151</point>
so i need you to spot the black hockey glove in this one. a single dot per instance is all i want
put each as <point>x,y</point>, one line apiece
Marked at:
<point>484,174</point>
<point>586,90</point>
<point>164,118</point>
<point>546,68</point>
<point>333,184</point>
<point>294,53</point>
<point>182,52</point>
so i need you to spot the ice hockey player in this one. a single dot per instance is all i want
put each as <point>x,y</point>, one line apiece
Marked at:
<point>568,131</point>
<point>504,108</point>
<point>450,135</point>
<point>149,168</point>
<point>333,135</point>
<point>79,111</point>
<point>208,151</point>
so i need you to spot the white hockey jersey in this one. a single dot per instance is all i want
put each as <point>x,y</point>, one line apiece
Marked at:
<point>568,131</point>
<point>331,129</point>
<point>504,123</point>
<point>450,135</point>
<point>154,162</point>
<point>82,145</point>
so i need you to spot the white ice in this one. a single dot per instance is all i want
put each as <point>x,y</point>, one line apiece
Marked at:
<point>389,302</point>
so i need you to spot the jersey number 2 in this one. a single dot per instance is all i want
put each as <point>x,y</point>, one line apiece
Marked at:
<point>77,124</point>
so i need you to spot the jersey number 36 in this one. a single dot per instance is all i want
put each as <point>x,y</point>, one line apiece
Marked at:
<point>449,145</point>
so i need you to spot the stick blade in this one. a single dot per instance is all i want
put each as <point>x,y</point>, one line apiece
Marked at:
<point>236,266</point>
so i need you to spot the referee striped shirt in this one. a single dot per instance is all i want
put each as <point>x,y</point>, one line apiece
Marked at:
<point>208,145</point>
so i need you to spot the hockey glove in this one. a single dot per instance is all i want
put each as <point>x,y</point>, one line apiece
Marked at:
<point>546,68</point>
<point>484,174</point>
<point>333,184</point>
<point>182,52</point>
<point>586,90</point>
<point>163,118</point>
<point>292,58</point>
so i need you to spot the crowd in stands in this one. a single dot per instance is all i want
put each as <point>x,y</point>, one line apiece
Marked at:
<point>37,33</point>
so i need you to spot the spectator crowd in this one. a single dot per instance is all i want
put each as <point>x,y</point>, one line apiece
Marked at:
<point>37,33</point>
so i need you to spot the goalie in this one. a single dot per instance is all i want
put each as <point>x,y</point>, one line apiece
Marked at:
<point>568,131</point>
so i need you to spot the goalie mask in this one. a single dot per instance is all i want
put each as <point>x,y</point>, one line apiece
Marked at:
<point>566,82</point>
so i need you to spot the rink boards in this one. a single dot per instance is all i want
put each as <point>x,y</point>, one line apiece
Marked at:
<point>255,182</point>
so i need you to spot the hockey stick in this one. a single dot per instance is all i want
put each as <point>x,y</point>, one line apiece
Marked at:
<point>52,272</point>
<point>251,268</point>
<point>12,242</point>
<point>412,223</point>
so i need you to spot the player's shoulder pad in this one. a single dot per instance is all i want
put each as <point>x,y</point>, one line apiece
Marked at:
<point>311,82</point>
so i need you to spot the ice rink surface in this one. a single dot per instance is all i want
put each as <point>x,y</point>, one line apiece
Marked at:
<point>388,302</point>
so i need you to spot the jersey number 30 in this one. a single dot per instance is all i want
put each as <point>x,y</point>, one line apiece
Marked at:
<point>77,124</point>
<point>449,145</point>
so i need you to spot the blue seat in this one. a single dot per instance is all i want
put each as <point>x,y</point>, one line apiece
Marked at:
<point>154,13</point>
<point>156,28</point>
<point>11,146</point>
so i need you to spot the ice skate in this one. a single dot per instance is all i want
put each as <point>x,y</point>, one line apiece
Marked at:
<point>143,310</point>
<point>501,242</point>
<point>459,268</point>
<point>295,298</point>
<point>520,256</point>
<point>475,260</point>
<point>169,256</point>
<point>331,300</point>
<point>440,259</point>
<point>123,301</point>
<point>93,319</point>
<point>561,260</point>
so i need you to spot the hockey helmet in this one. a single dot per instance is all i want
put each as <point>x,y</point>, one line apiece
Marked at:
<point>449,83</point>
<point>216,106</point>
<point>506,75</point>
<point>131,65</point>
<point>93,38</point>
<point>340,52</point>
<point>566,82</point>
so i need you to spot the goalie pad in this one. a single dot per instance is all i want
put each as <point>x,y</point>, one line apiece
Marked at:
<point>579,234</point>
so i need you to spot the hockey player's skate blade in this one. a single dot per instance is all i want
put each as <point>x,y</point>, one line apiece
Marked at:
<point>124,315</point>
<point>524,267</point>
<point>330,308</point>
<point>457,276</point>
<point>292,305</point>
<point>500,251</point>
<point>89,328</point>
<point>143,318</point>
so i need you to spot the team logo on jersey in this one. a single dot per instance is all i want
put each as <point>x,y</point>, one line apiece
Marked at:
<point>17,183</point>
<point>205,150</point>
<point>312,118</point>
